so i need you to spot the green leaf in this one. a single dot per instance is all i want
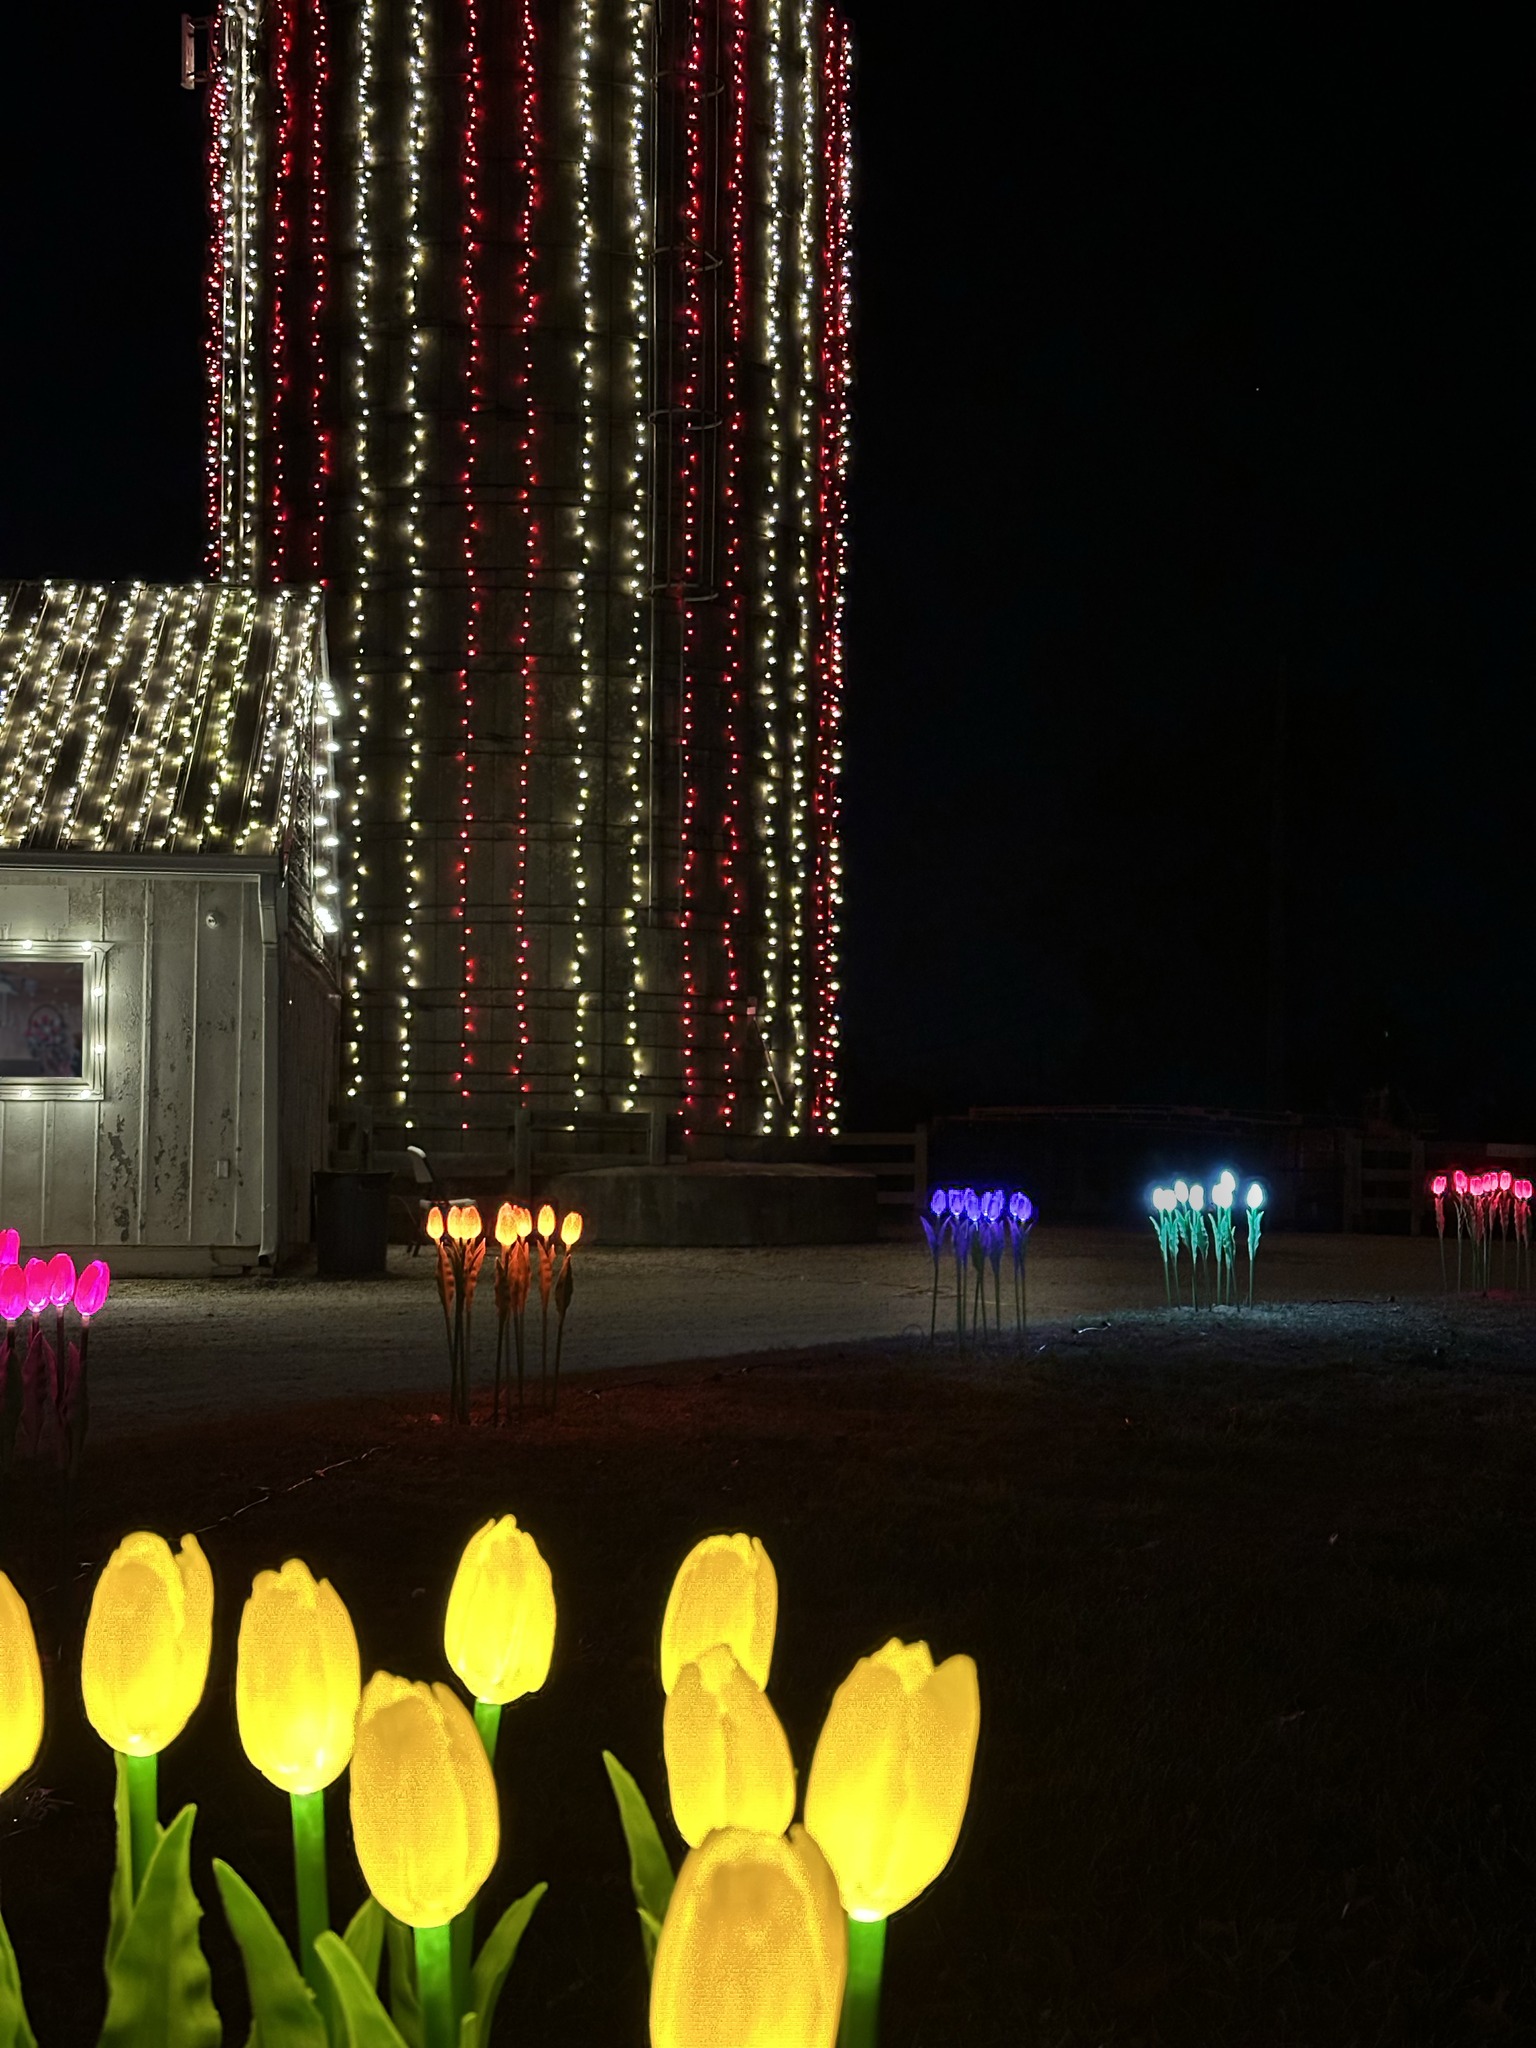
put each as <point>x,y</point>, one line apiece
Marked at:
<point>496,1958</point>
<point>469,2030</point>
<point>650,1871</point>
<point>365,2023</point>
<point>283,2009</point>
<point>403,2002</point>
<point>15,2032</point>
<point>158,1993</point>
<point>365,1937</point>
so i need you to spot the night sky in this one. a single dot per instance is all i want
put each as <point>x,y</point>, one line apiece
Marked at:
<point>1195,363</point>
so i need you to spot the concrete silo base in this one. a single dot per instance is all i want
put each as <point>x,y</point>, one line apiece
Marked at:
<point>722,1203</point>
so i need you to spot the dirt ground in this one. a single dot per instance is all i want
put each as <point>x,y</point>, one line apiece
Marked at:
<point>176,1350</point>
<point>1250,1597</point>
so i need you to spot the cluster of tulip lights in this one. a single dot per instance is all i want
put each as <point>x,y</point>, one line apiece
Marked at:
<point>979,1227</point>
<point>42,1381</point>
<point>770,1935</point>
<point>1184,1223</point>
<point>1483,1203</point>
<point>525,1247</point>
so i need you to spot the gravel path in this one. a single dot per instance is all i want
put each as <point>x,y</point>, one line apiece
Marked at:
<point>173,1350</point>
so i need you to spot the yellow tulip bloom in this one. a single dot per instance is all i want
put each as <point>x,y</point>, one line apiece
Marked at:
<point>725,1592</point>
<point>297,1679</point>
<point>424,1817</point>
<point>754,1950</point>
<point>547,1220</point>
<point>21,1688</point>
<point>728,1760</point>
<point>500,1629</point>
<point>570,1228</point>
<point>147,1639</point>
<point>892,1773</point>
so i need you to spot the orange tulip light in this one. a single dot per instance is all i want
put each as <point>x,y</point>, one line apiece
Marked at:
<point>145,1662</point>
<point>728,1761</point>
<point>506,1227</point>
<point>435,1225</point>
<point>753,1952</point>
<point>726,1591</point>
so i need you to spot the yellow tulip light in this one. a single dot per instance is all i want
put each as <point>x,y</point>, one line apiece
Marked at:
<point>500,1628</point>
<point>728,1760</point>
<point>21,1688</point>
<point>887,1792</point>
<point>145,1662</point>
<point>570,1228</point>
<point>725,1591</point>
<point>522,1222</point>
<point>297,1686</point>
<point>506,1225</point>
<point>546,1221</point>
<point>425,1823</point>
<point>470,1222</point>
<point>753,1951</point>
<point>435,1225</point>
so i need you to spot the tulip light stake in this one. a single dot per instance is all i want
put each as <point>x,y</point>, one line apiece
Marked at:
<point>570,1234</point>
<point>885,1799</point>
<point>938,1204</point>
<point>1437,1187</point>
<point>1021,1221</point>
<point>1255,1206</point>
<point>144,1664</point>
<point>546,1236</point>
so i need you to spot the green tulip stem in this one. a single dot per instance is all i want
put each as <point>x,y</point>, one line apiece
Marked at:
<point>434,1985</point>
<point>860,2025</point>
<point>309,1876</point>
<point>488,1721</point>
<point>141,1774</point>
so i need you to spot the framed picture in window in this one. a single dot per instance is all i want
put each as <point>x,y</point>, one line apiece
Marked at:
<point>52,1019</point>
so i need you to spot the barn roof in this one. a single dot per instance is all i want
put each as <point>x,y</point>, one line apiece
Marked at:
<point>164,718</point>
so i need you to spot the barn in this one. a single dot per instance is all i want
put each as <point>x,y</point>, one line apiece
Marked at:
<point>169,883</point>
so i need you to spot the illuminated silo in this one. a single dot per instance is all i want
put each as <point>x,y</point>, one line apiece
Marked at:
<point>529,334</point>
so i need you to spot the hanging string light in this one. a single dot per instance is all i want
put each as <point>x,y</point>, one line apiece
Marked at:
<point>589,542</point>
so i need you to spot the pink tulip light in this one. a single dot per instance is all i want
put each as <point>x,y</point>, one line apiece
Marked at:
<point>1506,1182</point>
<point>61,1279</point>
<point>1437,1186</point>
<point>91,1289</point>
<point>38,1290</point>
<point>1459,1181</point>
<point>10,1247</point>
<point>13,1292</point>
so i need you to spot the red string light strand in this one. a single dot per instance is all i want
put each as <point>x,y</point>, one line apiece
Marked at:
<point>213,294</point>
<point>733,577</point>
<point>524,327</point>
<point>279,250</point>
<point>471,228</point>
<point>319,288</point>
<point>832,429</point>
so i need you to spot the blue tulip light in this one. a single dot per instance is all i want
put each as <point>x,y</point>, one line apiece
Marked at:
<point>1255,1205</point>
<point>1021,1221</point>
<point>935,1224</point>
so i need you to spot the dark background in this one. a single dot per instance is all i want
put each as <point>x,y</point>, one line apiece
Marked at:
<point>1195,361</point>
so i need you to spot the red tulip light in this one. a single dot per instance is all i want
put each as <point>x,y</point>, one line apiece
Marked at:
<point>10,1247</point>
<point>91,1289</point>
<point>13,1292</point>
<point>39,1289</point>
<point>61,1279</point>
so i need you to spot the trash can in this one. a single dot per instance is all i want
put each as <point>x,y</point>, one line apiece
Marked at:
<point>351,1224</point>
